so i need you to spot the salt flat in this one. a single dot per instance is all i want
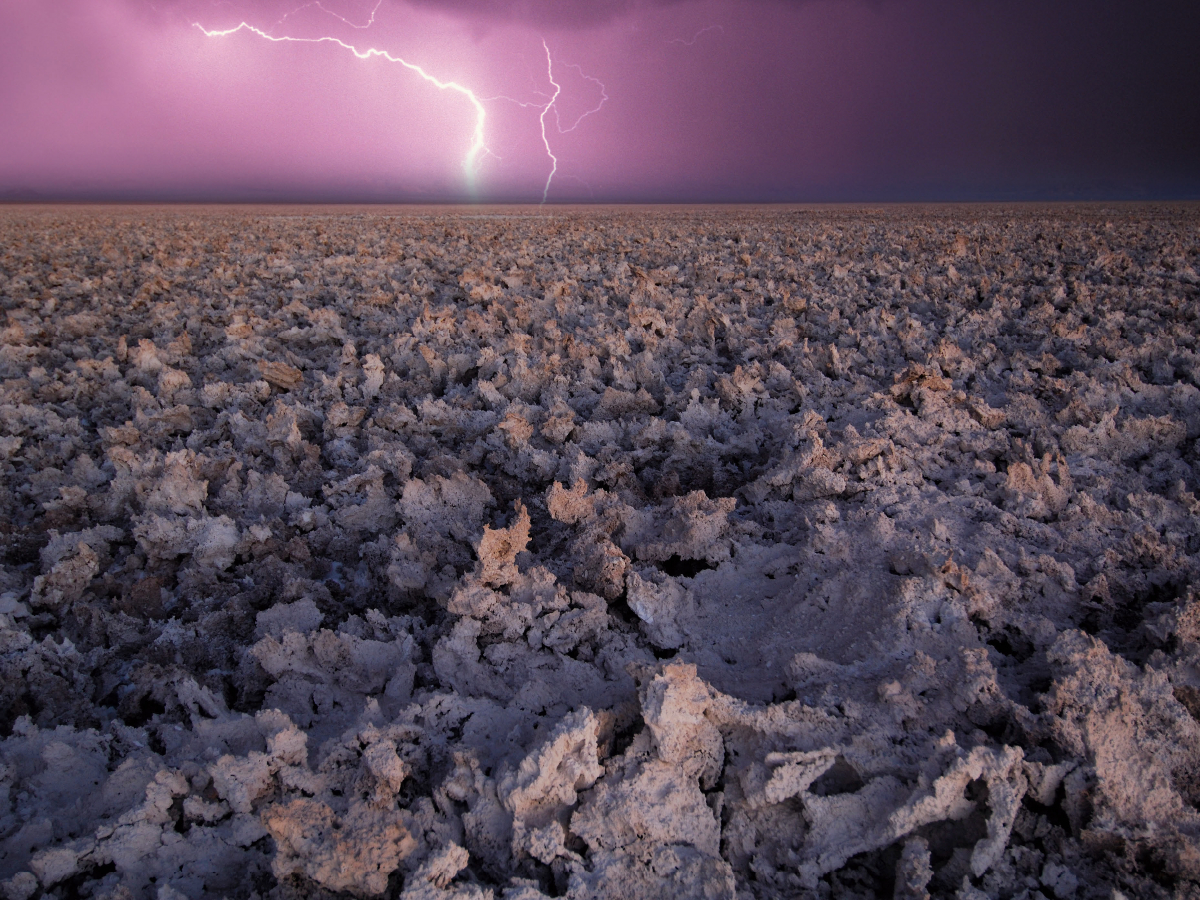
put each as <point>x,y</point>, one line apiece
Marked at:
<point>599,552</point>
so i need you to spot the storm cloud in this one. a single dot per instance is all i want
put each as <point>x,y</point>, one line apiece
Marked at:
<point>738,100</point>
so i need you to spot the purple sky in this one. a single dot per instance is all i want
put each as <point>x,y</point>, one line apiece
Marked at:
<point>754,100</point>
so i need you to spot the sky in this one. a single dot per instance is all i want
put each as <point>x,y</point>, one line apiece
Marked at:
<point>599,100</point>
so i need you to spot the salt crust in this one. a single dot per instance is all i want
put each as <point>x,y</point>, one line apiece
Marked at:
<point>707,554</point>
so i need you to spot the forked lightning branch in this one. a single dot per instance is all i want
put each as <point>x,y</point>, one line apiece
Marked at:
<point>477,146</point>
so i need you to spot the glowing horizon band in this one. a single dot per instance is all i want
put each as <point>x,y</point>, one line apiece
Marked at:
<point>478,143</point>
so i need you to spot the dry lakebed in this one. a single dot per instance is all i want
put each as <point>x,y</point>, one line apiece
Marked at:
<point>599,553</point>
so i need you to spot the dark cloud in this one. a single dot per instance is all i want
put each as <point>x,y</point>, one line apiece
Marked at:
<point>780,99</point>
<point>546,13</point>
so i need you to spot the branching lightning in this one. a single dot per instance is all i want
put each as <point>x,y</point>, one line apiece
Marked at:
<point>552,103</point>
<point>542,120</point>
<point>595,109</point>
<point>696,36</point>
<point>478,146</point>
<point>330,12</point>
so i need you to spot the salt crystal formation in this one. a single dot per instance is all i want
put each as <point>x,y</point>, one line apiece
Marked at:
<point>688,554</point>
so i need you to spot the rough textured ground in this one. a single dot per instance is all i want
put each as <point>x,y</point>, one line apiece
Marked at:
<point>636,553</point>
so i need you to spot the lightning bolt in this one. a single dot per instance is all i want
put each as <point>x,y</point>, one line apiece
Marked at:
<point>478,144</point>
<point>317,4</point>
<point>542,120</point>
<point>696,36</point>
<point>552,104</point>
<point>595,109</point>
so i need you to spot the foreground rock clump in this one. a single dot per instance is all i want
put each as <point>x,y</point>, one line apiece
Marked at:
<point>599,554</point>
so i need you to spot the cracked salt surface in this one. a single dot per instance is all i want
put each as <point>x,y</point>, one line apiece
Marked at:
<point>615,553</point>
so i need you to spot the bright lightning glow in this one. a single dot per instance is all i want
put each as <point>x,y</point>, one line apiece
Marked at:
<point>477,146</point>
<point>542,119</point>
